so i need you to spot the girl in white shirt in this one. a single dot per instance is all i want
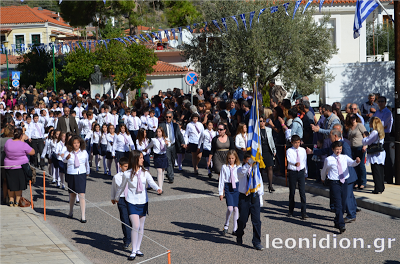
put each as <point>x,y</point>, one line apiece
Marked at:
<point>205,143</point>
<point>159,145</point>
<point>94,137</point>
<point>137,198</point>
<point>229,183</point>
<point>193,132</point>
<point>110,142</point>
<point>241,140</point>
<point>47,149</point>
<point>121,144</point>
<point>103,146</point>
<point>54,160</point>
<point>77,171</point>
<point>60,151</point>
<point>141,144</point>
<point>181,155</point>
<point>144,117</point>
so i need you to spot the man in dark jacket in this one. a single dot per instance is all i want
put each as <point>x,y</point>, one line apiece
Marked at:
<point>67,123</point>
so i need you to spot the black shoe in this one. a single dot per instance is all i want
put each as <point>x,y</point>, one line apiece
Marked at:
<point>70,216</point>
<point>239,241</point>
<point>210,175</point>
<point>224,232</point>
<point>170,182</point>
<point>358,210</point>
<point>126,246</point>
<point>332,210</point>
<point>349,220</point>
<point>234,233</point>
<point>342,229</point>
<point>139,254</point>
<point>289,214</point>
<point>271,189</point>
<point>304,217</point>
<point>258,247</point>
<point>149,188</point>
<point>83,221</point>
<point>42,168</point>
<point>132,257</point>
<point>336,226</point>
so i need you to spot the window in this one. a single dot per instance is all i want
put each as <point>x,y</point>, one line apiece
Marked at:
<point>2,38</point>
<point>332,26</point>
<point>35,39</point>
<point>19,40</point>
<point>387,20</point>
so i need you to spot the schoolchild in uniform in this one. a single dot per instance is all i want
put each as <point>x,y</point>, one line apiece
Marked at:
<point>143,119</point>
<point>229,183</point>
<point>133,124</point>
<point>141,144</point>
<point>103,146</point>
<point>60,151</point>
<point>94,138</point>
<point>204,145</point>
<point>47,149</point>
<point>121,144</point>
<point>109,155</point>
<point>181,154</point>
<point>53,156</point>
<point>193,132</point>
<point>121,202</point>
<point>113,119</point>
<point>152,124</point>
<point>297,173</point>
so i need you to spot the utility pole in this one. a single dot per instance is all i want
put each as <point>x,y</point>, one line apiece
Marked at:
<point>397,88</point>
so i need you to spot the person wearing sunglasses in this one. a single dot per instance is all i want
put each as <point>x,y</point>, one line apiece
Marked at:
<point>220,145</point>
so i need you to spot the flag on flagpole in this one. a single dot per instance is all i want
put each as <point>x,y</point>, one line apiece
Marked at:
<point>274,9</point>
<point>309,3</point>
<point>363,9</point>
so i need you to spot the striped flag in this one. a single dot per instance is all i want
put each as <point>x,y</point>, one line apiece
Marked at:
<point>309,3</point>
<point>363,9</point>
<point>254,146</point>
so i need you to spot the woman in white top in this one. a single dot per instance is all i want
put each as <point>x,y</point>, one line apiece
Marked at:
<point>110,142</point>
<point>60,150</point>
<point>53,156</point>
<point>84,125</point>
<point>193,132</point>
<point>141,144</point>
<point>77,171</point>
<point>103,146</point>
<point>94,138</point>
<point>181,154</point>
<point>241,140</point>
<point>375,153</point>
<point>159,145</point>
<point>121,144</point>
<point>229,184</point>
<point>137,198</point>
<point>205,140</point>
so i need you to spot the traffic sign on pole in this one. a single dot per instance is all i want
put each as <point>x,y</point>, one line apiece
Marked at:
<point>16,75</point>
<point>191,78</point>
<point>15,83</point>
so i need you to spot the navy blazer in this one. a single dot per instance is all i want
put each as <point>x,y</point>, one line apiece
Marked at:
<point>346,150</point>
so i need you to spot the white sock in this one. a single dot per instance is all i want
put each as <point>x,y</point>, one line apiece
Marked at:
<point>228,215</point>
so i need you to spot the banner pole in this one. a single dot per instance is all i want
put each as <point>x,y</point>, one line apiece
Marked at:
<point>169,256</point>
<point>30,188</point>
<point>44,195</point>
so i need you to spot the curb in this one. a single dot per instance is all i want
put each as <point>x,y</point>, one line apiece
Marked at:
<point>366,203</point>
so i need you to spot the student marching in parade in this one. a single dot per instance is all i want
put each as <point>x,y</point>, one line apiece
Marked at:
<point>60,151</point>
<point>121,144</point>
<point>193,132</point>
<point>204,145</point>
<point>109,155</point>
<point>229,184</point>
<point>103,146</point>
<point>94,138</point>
<point>133,123</point>
<point>143,119</point>
<point>53,155</point>
<point>113,119</point>
<point>152,124</point>
<point>47,150</point>
<point>141,144</point>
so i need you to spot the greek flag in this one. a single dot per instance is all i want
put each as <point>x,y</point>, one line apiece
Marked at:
<point>296,6</point>
<point>129,37</point>
<point>363,9</point>
<point>155,35</point>
<point>141,35</point>
<point>90,45</point>
<point>243,17</point>
<point>150,37</point>
<point>234,18</point>
<point>261,11</point>
<point>167,34</point>
<point>309,3</point>
<point>254,146</point>
<point>274,9</point>
<point>216,24</point>
<point>286,7</point>
<point>180,32</point>
<point>321,2</point>
<point>251,17</point>
<point>224,23</point>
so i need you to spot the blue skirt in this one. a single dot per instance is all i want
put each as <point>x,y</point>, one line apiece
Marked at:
<point>138,209</point>
<point>146,162</point>
<point>54,160</point>
<point>103,149</point>
<point>192,147</point>
<point>96,151</point>
<point>119,155</point>
<point>160,161</point>
<point>76,182</point>
<point>231,195</point>
<point>109,155</point>
<point>62,166</point>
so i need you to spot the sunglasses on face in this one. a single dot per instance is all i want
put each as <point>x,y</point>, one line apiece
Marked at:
<point>262,121</point>
<point>220,129</point>
<point>169,117</point>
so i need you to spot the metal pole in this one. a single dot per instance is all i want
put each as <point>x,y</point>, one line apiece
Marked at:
<point>54,69</point>
<point>397,89</point>
<point>8,74</point>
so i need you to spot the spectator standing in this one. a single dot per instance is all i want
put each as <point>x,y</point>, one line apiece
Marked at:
<point>368,109</point>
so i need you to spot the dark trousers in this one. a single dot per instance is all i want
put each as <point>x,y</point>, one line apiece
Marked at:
<point>388,176</point>
<point>134,134</point>
<point>331,202</point>
<point>171,156</point>
<point>360,169</point>
<point>247,207</point>
<point>124,217</point>
<point>294,178</point>
<point>37,145</point>
<point>351,204</point>
<point>339,193</point>
<point>378,176</point>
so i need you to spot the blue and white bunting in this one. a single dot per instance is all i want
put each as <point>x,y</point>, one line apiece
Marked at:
<point>243,17</point>
<point>121,40</point>
<point>252,13</point>
<point>286,5</point>
<point>332,2</point>
<point>205,26</point>
<point>173,33</point>
<point>274,9</point>
<point>166,34</point>
<point>132,39</point>
<point>296,6</point>
<point>308,3</point>
<point>141,35</point>
<point>224,23</point>
<point>159,35</point>
<point>180,32</point>
<point>84,45</point>
<point>261,11</point>
<point>150,37</point>
<point>237,23</point>
<point>216,24</point>
<point>190,29</point>
<point>127,39</point>
<point>155,35</point>
<point>321,2</point>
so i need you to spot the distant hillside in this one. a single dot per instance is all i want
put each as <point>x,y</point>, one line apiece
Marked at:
<point>45,4</point>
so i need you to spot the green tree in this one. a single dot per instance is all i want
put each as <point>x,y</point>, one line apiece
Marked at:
<point>295,49</point>
<point>379,39</point>
<point>181,13</point>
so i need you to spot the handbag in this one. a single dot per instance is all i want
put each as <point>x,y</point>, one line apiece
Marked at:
<point>375,148</point>
<point>24,202</point>
<point>27,170</point>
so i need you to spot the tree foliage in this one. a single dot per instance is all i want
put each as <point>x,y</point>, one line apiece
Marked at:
<point>295,50</point>
<point>379,37</point>
<point>181,13</point>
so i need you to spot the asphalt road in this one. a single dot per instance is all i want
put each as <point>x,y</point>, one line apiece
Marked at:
<point>188,219</point>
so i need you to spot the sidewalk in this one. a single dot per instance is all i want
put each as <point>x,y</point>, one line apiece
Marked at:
<point>386,203</point>
<point>26,238</point>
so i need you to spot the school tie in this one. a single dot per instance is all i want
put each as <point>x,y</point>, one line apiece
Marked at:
<point>211,137</point>
<point>232,177</point>
<point>134,124</point>
<point>38,129</point>
<point>76,162</point>
<point>126,191</point>
<point>340,170</point>
<point>197,129</point>
<point>126,140</point>
<point>298,160</point>
<point>162,148</point>
<point>139,187</point>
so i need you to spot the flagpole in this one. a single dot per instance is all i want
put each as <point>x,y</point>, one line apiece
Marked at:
<point>384,9</point>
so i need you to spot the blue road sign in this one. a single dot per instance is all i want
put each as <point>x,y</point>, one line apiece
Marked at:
<point>15,83</point>
<point>16,75</point>
<point>191,78</point>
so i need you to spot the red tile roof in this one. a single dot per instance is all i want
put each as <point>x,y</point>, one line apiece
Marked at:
<point>12,59</point>
<point>164,68</point>
<point>25,15</point>
<point>68,34</point>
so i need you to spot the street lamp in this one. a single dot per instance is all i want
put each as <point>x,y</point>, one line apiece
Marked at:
<point>8,75</point>
<point>53,40</point>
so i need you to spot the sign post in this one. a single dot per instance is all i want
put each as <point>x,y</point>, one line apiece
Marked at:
<point>191,79</point>
<point>15,76</point>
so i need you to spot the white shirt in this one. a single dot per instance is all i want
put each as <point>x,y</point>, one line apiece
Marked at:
<point>110,140</point>
<point>84,126</point>
<point>243,173</point>
<point>375,158</point>
<point>100,119</point>
<point>45,109</point>
<point>192,133</point>
<point>113,120</point>
<point>120,145</point>
<point>206,138</point>
<point>43,120</point>
<point>142,146</point>
<point>331,169</point>
<point>117,181</point>
<point>53,146</point>
<point>52,122</point>
<point>225,176</point>
<point>60,149</point>
<point>78,111</point>
<point>36,130</point>
<point>28,128</point>
<point>240,141</point>
<point>125,118</point>
<point>60,109</point>
<point>133,196</point>
<point>157,146</point>
<point>103,139</point>
<point>94,137</point>
<point>133,123</point>
<point>143,119</point>
<point>46,149</point>
<point>185,137</point>
<point>291,155</point>
<point>83,158</point>
<point>152,123</point>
